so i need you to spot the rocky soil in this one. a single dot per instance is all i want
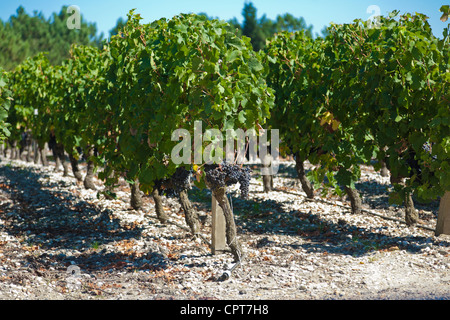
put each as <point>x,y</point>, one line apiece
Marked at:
<point>60,241</point>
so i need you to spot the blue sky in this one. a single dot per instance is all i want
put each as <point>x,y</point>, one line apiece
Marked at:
<point>316,12</point>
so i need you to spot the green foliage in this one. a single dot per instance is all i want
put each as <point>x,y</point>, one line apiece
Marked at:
<point>172,73</point>
<point>80,107</point>
<point>393,79</point>
<point>5,102</point>
<point>31,95</point>
<point>308,123</point>
<point>285,57</point>
<point>364,93</point>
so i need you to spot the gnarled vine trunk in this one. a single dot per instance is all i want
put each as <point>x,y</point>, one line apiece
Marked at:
<point>75,168</point>
<point>267,179</point>
<point>190,215</point>
<point>14,155</point>
<point>89,178</point>
<point>28,151</point>
<point>268,183</point>
<point>411,214</point>
<point>59,152</point>
<point>355,199</point>
<point>384,169</point>
<point>136,198</point>
<point>37,152</point>
<point>306,184</point>
<point>43,155</point>
<point>109,189</point>
<point>160,213</point>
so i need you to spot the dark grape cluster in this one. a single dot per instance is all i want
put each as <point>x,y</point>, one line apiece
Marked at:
<point>416,165</point>
<point>163,189</point>
<point>215,176</point>
<point>179,181</point>
<point>227,174</point>
<point>427,147</point>
<point>244,181</point>
<point>413,163</point>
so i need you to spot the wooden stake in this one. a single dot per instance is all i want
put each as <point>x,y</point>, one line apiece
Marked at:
<point>218,237</point>
<point>443,221</point>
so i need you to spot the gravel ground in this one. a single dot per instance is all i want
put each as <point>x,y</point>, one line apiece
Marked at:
<point>60,241</point>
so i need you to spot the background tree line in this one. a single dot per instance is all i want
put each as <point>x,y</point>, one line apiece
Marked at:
<point>24,35</point>
<point>260,29</point>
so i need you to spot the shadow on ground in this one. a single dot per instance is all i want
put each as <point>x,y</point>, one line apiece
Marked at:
<point>58,221</point>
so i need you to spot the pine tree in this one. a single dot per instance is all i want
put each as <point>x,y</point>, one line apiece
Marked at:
<point>251,27</point>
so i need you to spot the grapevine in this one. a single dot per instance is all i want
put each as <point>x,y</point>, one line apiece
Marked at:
<point>181,180</point>
<point>226,174</point>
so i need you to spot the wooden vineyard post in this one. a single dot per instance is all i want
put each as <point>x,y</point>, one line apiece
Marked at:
<point>443,221</point>
<point>218,236</point>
